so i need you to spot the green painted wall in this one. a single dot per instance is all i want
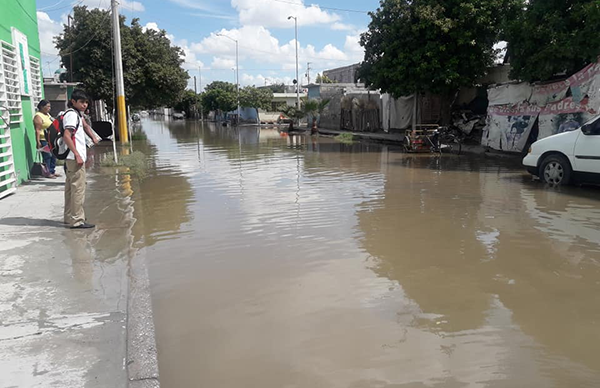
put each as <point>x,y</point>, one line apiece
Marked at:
<point>21,14</point>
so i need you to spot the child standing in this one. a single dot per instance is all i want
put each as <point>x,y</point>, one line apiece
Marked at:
<point>74,138</point>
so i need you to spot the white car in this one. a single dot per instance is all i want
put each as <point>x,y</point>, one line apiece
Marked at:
<point>567,157</point>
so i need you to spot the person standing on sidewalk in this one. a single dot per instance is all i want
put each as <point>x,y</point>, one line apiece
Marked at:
<point>41,121</point>
<point>74,138</point>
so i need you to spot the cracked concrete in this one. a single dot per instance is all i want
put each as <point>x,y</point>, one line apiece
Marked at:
<point>64,294</point>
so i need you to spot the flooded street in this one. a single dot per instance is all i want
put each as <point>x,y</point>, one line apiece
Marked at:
<point>304,262</point>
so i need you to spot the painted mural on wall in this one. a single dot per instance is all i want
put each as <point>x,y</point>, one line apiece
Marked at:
<point>558,107</point>
<point>564,116</point>
<point>509,128</point>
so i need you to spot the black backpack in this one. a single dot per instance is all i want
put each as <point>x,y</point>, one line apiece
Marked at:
<point>54,136</point>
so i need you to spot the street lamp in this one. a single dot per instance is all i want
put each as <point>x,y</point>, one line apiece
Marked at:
<point>297,77</point>
<point>237,68</point>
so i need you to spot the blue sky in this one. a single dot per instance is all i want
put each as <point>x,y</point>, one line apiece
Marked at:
<point>327,34</point>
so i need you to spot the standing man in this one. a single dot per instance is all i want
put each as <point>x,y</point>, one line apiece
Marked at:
<point>74,138</point>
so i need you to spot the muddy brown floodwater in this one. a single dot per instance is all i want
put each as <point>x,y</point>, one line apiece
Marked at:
<point>303,262</point>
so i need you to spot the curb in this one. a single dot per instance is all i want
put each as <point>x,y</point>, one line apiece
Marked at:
<point>475,150</point>
<point>142,354</point>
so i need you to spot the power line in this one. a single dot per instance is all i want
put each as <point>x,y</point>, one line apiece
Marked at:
<point>322,7</point>
<point>51,6</point>
<point>25,11</point>
<point>63,7</point>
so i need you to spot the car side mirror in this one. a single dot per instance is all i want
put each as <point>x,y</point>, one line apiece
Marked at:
<point>587,129</point>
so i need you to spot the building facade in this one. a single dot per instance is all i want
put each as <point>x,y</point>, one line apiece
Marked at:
<point>20,90</point>
<point>343,75</point>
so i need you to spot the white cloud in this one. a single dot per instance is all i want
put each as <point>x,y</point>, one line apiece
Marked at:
<point>353,48</point>
<point>271,13</point>
<point>257,43</point>
<point>342,27</point>
<point>194,4</point>
<point>213,16</point>
<point>151,26</point>
<point>222,63</point>
<point>48,29</point>
<point>135,6</point>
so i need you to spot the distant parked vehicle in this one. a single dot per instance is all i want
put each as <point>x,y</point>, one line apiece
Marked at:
<point>567,157</point>
<point>135,117</point>
<point>178,116</point>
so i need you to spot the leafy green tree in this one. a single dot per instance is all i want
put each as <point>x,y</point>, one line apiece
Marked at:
<point>219,96</point>
<point>152,67</point>
<point>553,36</point>
<point>433,46</point>
<point>188,102</point>
<point>311,107</point>
<point>222,85</point>
<point>276,88</point>
<point>323,79</point>
<point>252,97</point>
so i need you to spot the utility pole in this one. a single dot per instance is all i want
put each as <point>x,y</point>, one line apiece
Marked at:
<point>201,108</point>
<point>196,92</point>
<point>297,77</point>
<point>69,17</point>
<point>237,76</point>
<point>121,112</point>
<point>237,72</point>
<point>308,69</point>
<point>200,76</point>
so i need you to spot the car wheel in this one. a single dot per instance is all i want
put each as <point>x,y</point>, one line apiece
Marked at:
<point>556,170</point>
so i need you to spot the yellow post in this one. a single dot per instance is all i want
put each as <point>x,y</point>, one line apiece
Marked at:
<point>123,132</point>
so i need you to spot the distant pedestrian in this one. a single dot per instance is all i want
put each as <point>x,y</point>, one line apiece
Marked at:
<point>74,137</point>
<point>41,121</point>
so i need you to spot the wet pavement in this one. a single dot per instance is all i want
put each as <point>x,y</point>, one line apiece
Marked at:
<point>63,293</point>
<point>280,261</point>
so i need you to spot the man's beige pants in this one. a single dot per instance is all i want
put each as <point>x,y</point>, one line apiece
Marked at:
<point>74,193</point>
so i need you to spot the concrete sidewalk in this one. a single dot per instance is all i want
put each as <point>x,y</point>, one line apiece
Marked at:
<point>64,305</point>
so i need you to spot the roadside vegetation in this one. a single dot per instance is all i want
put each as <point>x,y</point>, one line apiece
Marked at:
<point>134,163</point>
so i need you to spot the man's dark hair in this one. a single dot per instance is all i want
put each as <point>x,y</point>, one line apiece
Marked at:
<point>77,95</point>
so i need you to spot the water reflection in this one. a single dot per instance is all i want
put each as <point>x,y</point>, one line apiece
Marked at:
<point>490,257</point>
<point>301,261</point>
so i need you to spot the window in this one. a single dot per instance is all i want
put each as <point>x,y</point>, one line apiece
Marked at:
<point>592,129</point>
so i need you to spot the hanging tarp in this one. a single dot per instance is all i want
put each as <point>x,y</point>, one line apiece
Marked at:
<point>586,83</point>
<point>508,112</point>
<point>583,83</point>
<point>549,93</point>
<point>509,94</point>
<point>397,112</point>
<point>508,128</point>
<point>564,116</point>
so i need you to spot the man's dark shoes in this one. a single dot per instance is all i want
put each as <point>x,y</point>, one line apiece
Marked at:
<point>85,225</point>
